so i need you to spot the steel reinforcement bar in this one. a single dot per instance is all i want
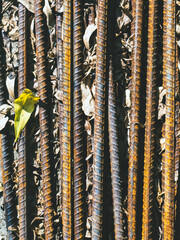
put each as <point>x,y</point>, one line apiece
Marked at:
<point>44,118</point>
<point>148,229</point>
<point>7,155</point>
<point>169,74</point>
<point>137,9</point>
<point>79,160</point>
<point>67,122</point>
<point>99,124</point>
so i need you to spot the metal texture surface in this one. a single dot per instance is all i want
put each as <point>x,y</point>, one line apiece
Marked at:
<point>44,118</point>
<point>7,156</point>
<point>137,9</point>
<point>67,124</point>
<point>114,156</point>
<point>177,150</point>
<point>148,229</point>
<point>99,125</point>
<point>169,59</point>
<point>79,160</point>
<point>59,44</point>
<point>22,74</point>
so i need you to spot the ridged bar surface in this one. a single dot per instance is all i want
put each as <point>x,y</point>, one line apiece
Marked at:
<point>79,160</point>
<point>99,124</point>
<point>44,93</point>
<point>67,122</point>
<point>169,73</point>
<point>114,156</point>
<point>148,228</point>
<point>59,44</point>
<point>7,156</point>
<point>22,169</point>
<point>137,10</point>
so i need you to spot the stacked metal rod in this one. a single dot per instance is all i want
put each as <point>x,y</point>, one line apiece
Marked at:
<point>137,9</point>
<point>148,229</point>
<point>79,167</point>
<point>22,169</point>
<point>114,156</point>
<point>67,124</point>
<point>99,125</point>
<point>169,59</point>
<point>59,43</point>
<point>7,155</point>
<point>44,92</point>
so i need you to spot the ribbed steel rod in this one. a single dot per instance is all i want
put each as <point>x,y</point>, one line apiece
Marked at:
<point>169,59</point>
<point>22,169</point>
<point>67,124</point>
<point>114,156</point>
<point>148,229</point>
<point>99,125</point>
<point>137,8</point>
<point>59,44</point>
<point>7,156</point>
<point>177,149</point>
<point>79,161</point>
<point>44,118</point>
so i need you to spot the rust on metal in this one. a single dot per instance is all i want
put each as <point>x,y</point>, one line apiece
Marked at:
<point>22,169</point>
<point>137,9</point>
<point>67,124</point>
<point>150,124</point>
<point>7,156</point>
<point>59,44</point>
<point>44,92</point>
<point>99,125</point>
<point>79,161</point>
<point>114,156</point>
<point>169,73</point>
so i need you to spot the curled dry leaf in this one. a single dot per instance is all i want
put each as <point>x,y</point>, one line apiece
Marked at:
<point>91,28</point>
<point>10,84</point>
<point>123,20</point>
<point>28,4</point>
<point>88,103</point>
<point>59,95</point>
<point>127,98</point>
<point>5,108</point>
<point>3,121</point>
<point>162,143</point>
<point>88,128</point>
<point>48,12</point>
<point>161,105</point>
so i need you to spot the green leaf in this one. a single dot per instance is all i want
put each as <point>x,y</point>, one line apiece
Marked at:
<point>23,106</point>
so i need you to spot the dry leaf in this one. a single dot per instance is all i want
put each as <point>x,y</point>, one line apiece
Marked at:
<point>10,84</point>
<point>88,103</point>
<point>91,28</point>
<point>28,4</point>
<point>3,121</point>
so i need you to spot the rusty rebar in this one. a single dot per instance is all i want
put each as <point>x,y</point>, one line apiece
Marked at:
<point>99,125</point>
<point>7,156</point>
<point>169,59</point>
<point>67,124</point>
<point>22,169</point>
<point>148,229</point>
<point>114,156</point>
<point>59,44</point>
<point>137,8</point>
<point>44,92</point>
<point>177,150</point>
<point>79,161</point>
